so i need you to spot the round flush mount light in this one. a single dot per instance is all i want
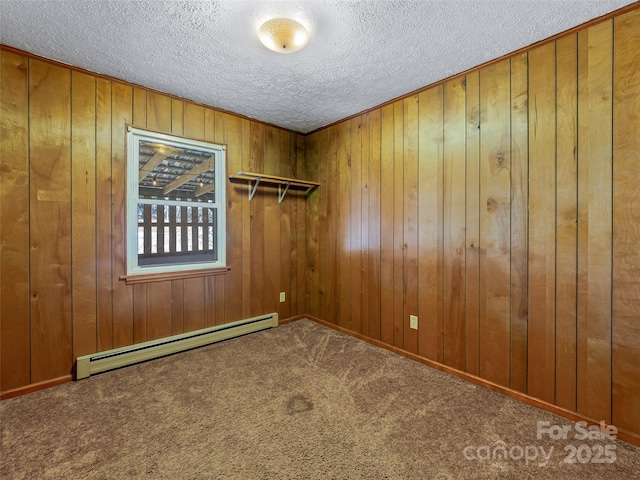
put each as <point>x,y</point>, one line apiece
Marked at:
<point>283,35</point>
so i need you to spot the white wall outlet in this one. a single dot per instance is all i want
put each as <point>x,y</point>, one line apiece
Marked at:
<point>413,321</point>
<point>282,297</point>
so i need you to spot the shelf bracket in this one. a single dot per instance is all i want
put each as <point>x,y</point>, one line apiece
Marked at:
<point>281,193</point>
<point>252,191</point>
<point>284,183</point>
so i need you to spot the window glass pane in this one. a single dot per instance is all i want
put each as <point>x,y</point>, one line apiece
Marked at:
<point>140,240</point>
<point>180,258</point>
<point>168,172</point>
<point>170,205</point>
<point>192,242</point>
<point>154,239</point>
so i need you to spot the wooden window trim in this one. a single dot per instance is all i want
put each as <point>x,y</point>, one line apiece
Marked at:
<point>164,276</point>
<point>191,231</point>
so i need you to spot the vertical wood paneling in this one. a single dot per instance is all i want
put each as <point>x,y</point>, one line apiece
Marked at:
<point>212,315</point>
<point>472,225</point>
<point>257,251</point>
<point>398,228</point>
<point>272,223</point>
<point>323,137</point>
<point>330,282</point>
<point>193,120</point>
<point>430,189</point>
<point>364,225</point>
<point>316,170</point>
<point>140,313</point>
<point>343,245</point>
<point>542,225</point>
<point>298,256</point>
<point>247,154</point>
<point>159,113</point>
<point>294,256</point>
<point>355,221</point>
<point>566,220</point>
<point>177,307</point>
<point>233,280</point>
<point>594,220</point>
<point>139,108</point>
<point>121,114</point>
<point>299,171</point>
<point>410,219</point>
<point>495,191</point>
<point>83,213</point>
<point>15,359</point>
<point>454,224</point>
<point>194,304</point>
<point>374,232</point>
<point>177,116</point>
<point>104,248</point>
<point>210,126</point>
<point>50,220</point>
<point>626,218</point>
<point>158,310</point>
<point>386,225</point>
<point>284,169</point>
<point>519,221</point>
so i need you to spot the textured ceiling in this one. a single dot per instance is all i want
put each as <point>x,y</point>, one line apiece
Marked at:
<point>361,54</point>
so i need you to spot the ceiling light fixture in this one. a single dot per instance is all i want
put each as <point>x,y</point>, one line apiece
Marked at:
<point>283,35</point>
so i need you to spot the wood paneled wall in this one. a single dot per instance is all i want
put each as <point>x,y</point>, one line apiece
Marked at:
<point>503,208</point>
<point>63,225</point>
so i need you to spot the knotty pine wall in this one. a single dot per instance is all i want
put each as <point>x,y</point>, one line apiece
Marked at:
<point>503,208</point>
<point>62,225</point>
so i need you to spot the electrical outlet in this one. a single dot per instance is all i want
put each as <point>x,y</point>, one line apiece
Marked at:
<point>282,297</point>
<point>413,321</point>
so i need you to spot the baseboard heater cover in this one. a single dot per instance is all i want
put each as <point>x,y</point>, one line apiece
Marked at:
<point>88,365</point>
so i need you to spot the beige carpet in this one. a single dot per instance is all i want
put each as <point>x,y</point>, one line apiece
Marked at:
<point>298,401</point>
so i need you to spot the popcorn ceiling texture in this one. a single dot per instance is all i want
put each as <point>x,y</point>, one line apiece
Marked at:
<point>361,53</point>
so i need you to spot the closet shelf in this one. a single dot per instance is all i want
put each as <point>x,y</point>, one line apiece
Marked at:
<point>283,183</point>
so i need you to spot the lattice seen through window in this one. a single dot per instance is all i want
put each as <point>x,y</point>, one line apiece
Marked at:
<point>175,203</point>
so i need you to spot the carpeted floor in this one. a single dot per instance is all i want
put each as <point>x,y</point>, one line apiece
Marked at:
<point>299,401</point>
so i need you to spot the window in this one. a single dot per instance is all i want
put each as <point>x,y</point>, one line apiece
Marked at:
<point>175,204</point>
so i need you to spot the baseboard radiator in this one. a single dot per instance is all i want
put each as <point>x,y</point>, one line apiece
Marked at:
<point>121,357</point>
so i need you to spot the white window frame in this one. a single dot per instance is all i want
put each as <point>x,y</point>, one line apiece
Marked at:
<point>134,136</point>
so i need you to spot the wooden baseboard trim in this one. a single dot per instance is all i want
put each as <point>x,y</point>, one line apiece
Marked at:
<point>292,319</point>
<point>624,435</point>
<point>34,387</point>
